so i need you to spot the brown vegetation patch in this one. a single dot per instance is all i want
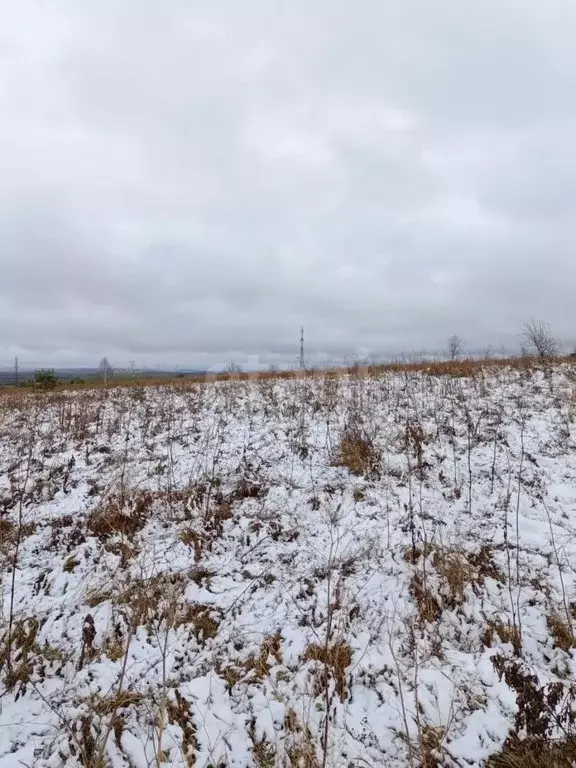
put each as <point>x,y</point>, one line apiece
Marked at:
<point>455,570</point>
<point>335,660</point>
<point>246,489</point>
<point>204,620</point>
<point>456,573</point>
<point>255,668</point>
<point>561,631</point>
<point>263,751</point>
<point>120,513</point>
<point>180,713</point>
<point>194,540</point>
<point>216,517</point>
<point>507,633</point>
<point>536,753</point>
<point>70,564</point>
<point>544,734</point>
<point>9,531</point>
<point>357,453</point>
<point>429,607</point>
<point>107,705</point>
<point>431,740</point>
<point>23,655</point>
<point>486,568</point>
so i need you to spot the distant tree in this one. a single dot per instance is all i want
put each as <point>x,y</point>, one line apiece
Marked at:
<point>539,340</point>
<point>105,370</point>
<point>46,378</point>
<point>455,347</point>
<point>232,368</point>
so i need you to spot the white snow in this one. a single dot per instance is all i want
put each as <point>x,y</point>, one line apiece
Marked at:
<point>258,526</point>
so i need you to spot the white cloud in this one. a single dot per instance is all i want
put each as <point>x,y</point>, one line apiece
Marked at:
<point>190,185</point>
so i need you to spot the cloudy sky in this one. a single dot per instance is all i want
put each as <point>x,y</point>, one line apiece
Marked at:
<point>189,182</point>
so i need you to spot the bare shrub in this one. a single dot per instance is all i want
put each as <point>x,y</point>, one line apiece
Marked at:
<point>539,340</point>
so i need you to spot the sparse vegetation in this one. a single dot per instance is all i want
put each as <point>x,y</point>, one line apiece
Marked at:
<point>373,566</point>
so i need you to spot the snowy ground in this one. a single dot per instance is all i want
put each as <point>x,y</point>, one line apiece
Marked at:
<point>201,581</point>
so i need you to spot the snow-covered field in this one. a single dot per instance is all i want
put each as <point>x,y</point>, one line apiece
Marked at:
<point>355,570</point>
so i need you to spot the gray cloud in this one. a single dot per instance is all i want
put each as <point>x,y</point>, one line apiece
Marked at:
<point>185,184</point>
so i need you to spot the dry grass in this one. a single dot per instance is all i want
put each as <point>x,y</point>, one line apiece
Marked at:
<point>203,620</point>
<point>429,607</point>
<point>121,513</point>
<point>193,539</point>
<point>431,740</point>
<point>543,712</point>
<point>107,705</point>
<point>70,564</point>
<point>561,631</point>
<point>300,750</point>
<point>536,753</point>
<point>507,633</point>
<point>335,659</point>
<point>14,396</point>
<point>456,573</point>
<point>450,572</point>
<point>263,751</point>
<point>356,453</point>
<point>28,657</point>
<point>255,668</point>
<point>180,713</point>
<point>161,596</point>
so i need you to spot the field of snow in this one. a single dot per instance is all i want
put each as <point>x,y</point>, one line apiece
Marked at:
<point>357,570</point>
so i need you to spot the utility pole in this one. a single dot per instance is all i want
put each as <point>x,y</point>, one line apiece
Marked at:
<point>16,370</point>
<point>302,348</point>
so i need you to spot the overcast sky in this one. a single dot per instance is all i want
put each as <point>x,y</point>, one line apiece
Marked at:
<point>189,182</point>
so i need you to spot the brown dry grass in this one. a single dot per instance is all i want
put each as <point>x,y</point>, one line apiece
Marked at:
<point>120,513</point>
<point>14,396</point>
<point>543,713</point>
<point>180,713</point>
<point>336,659</point>
<point>300,750</point>
<point>536,753</point>
<point>561,631</point>
<point>203,620</point>
<point>161,596</point>
<point>456,573</point>
<point>431,739</point>
<point>532,753</point>
<point>429,607</point>
<point>455,570</point>
<point>106,705</point>
<point>356,453</point>
<point>255,668</point>
<point>506,632</point>
<point>263,751</point>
